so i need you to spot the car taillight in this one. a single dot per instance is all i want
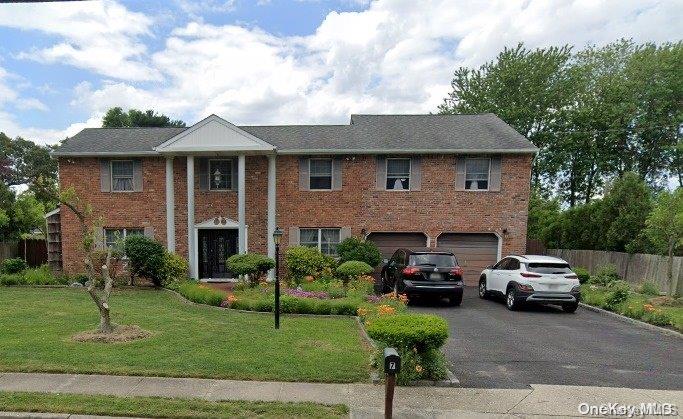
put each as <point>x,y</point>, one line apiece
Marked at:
<point>457,271</point>
<point>410,270</point>
<point>571,276</point>
<point>529,275</point>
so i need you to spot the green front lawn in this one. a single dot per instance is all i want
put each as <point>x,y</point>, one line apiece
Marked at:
<point>161,407</point>
<point>36,326</point>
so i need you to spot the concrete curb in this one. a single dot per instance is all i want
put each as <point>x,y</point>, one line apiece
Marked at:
<point>626,319</point>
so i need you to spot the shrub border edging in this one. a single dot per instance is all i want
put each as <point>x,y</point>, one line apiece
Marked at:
<point>636,322</point>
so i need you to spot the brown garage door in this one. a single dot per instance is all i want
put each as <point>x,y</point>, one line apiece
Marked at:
<point>474,252</point>
<point>389,242</point>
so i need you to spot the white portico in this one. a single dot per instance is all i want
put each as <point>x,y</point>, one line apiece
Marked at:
<point>216,138</point>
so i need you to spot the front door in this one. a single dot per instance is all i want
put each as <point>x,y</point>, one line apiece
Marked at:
<point>215,246</point>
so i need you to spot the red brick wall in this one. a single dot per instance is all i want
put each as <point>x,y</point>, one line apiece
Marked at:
<point>436,208</point>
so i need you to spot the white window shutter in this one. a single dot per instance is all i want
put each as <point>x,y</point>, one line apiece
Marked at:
<point>105,175</point>
<point>416,173</point>
<point>459,173</point>
<point>495,171</point>
<point>149,232</point>
<point>293,236</point>
<point>304,178</point>
<point>381,173</point>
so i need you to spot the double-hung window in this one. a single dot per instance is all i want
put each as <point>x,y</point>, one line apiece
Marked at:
<point>398,174</point>
<point>113,237</point>
<point>477,174</point>
<point>320,172</point>
<point>324,239</point>
<point>220,175</point>
<point>122,175</point>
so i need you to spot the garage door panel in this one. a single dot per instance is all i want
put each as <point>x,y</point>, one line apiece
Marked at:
<point>475,251</point>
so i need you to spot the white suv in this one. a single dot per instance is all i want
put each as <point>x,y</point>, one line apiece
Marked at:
<point>531,278</point>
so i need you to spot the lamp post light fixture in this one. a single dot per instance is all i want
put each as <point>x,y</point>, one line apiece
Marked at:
<point>277,236</point>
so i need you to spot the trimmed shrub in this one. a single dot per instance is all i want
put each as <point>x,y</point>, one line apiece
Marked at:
<point>582,273</point>
<point>353,269</point>
<point>13,266</point>
<point>175,269</point>
<point>201,294</point>
<point>146,258</point>
<point>81,279</point>
<point>419,331</point>
<point>354,248</point>
<point>11,279</point>
<point>304,261</point>
<point>649,288</point>
<point>605,274</point>
<point>253,264</point>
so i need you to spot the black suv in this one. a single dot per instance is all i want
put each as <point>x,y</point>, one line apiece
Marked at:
<point>423,271</point>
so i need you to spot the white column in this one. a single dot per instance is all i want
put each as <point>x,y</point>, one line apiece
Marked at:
<point>170,206</point>
<point>241,203</point>
<point>271,209</point>
<point>190,218</point>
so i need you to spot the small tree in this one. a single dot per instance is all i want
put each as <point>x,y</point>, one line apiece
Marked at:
<point>253,265</point>
<point>354,248</point>
<point>664,228</point>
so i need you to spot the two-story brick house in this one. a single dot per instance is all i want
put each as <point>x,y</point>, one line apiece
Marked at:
<point>455,181</point>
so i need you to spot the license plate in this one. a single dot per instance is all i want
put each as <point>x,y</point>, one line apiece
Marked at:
<point>435,276</point>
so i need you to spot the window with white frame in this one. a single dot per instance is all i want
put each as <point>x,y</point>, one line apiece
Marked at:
<point>122,175</point>
<point>324,239</point>
<point>114,237</point>
<point>477,174</point>
<point>220,175</point>
<point>398,174</point>
<point>320,172</point>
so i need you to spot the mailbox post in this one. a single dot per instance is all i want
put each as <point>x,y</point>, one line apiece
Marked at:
<point>392,366</point>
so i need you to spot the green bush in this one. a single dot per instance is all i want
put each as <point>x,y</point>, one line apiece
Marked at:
<point>176,269</point>
<point>252,264</point>
<point>354,248</point>
<point>146,258</point>
<point>200,294</point>
<point>605,274</point>
<point>618,293</point>
<point>649,288</point>
<point>428,365</point>
<point>410,331</point>
<point>303,261</point>
<point>657,317</point>
<point>634,311</point>
<point>11,279</point>
<point>81,278</point>
<point>582,273</point>
<point>352,269</point>
<point>289,304</point>
<point>13,266</point>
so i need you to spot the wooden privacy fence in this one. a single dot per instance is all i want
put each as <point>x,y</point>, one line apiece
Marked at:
<point>634,268</point>
<point>33,251</point>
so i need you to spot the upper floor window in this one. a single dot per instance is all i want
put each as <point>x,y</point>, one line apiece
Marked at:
<point>113,237</point>
<point>398,174</point>
<point>220,175</point>
<point>324,239</point>
<point>320,172</point>
<point>122,175</point>
<point>477,174</point>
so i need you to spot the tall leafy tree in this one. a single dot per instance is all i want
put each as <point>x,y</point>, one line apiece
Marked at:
<point>664,228</point>
<point>528,89</point>
<point>117,118</point>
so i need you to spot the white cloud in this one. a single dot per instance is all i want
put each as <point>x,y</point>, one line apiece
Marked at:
<point>395,56</point>
<point>31,103</point>
<point>101,36</point>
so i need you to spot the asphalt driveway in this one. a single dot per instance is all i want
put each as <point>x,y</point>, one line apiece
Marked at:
<point>492,347</point>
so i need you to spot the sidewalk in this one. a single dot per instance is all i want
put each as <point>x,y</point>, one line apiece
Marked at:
<point>364,400</point>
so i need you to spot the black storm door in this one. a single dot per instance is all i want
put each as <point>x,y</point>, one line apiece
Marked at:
<point>215,246</point>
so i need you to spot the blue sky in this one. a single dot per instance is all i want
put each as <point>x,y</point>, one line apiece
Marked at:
<point>275,61</point>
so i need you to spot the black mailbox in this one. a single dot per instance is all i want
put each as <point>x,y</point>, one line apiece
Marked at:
<point>392,361</point>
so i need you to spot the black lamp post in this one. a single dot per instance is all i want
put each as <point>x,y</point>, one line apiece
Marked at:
<point>277,236</point>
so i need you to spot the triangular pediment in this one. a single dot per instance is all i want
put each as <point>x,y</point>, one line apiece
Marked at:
<point>214,134</point>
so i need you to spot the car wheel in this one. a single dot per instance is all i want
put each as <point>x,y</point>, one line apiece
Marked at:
<point>511,301</point>
<point>570,307</point>
<point>483,292</point>
<point>455,300</point>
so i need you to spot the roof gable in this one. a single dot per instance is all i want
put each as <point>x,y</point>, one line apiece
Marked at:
<point>213,134</point>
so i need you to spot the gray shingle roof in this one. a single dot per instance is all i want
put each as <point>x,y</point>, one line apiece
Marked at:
<point>366,133</point>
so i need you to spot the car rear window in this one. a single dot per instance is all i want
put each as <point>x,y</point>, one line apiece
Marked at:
<point>436,259</point>
<point>549,268</point>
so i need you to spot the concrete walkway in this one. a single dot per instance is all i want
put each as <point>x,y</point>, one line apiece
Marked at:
<point>364,400</point>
